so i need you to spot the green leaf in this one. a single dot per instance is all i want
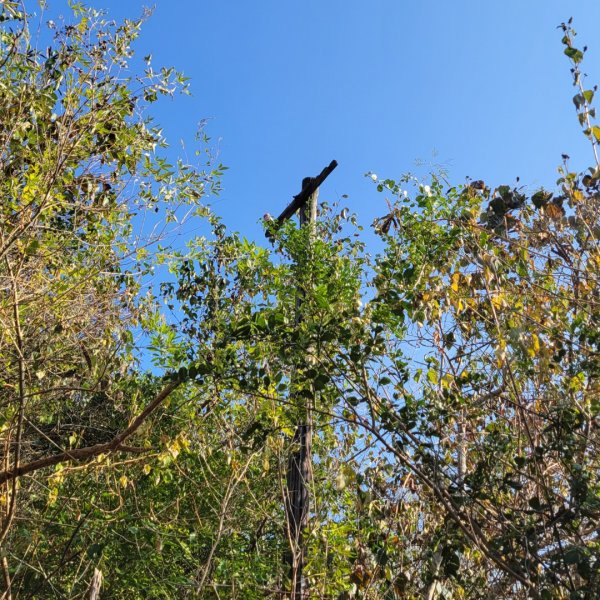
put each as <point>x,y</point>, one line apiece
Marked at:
<point>353,400</point>
<point>451,562</point>
<point>320,381</point>
<point>95,551</point>
<point>520,461</point>
<point>432,376</point>
<point>260,321</point>
<point>573,555</point>
<point>574,54</point>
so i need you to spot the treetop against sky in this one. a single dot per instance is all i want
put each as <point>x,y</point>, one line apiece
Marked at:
<point>479,89</point>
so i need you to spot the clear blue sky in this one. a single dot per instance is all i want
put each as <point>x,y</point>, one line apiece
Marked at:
<point>480,87</point>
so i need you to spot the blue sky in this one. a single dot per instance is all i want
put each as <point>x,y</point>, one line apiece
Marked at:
<point>481,88</point>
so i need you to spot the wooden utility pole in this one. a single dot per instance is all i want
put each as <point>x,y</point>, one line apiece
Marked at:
<point>297,500</point>
<point>94,592</point>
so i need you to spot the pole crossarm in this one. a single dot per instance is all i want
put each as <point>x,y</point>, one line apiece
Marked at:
<point>309,187</point>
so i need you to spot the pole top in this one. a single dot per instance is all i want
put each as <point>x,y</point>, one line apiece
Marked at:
<point>309,187</point>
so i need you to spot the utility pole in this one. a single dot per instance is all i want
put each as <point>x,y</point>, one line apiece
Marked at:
<point>296,495</point>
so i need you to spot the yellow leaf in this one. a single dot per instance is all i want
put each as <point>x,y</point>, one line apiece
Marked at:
<point>497,301</point>
<point>123,480</point>
<point>147,469</point>
<point>447,380</point>
<point>534,348</point>
<point>174,448</point>
<point>455,282</point>
<point>52,496</point>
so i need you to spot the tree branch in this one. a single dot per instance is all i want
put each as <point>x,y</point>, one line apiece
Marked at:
<point>81,454</point>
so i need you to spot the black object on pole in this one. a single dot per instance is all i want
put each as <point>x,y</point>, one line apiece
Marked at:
<point>299,462</point>
<point>309,186</point>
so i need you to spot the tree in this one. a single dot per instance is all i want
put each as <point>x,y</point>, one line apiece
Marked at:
<point>81,171</point>
<point>467,384</point>
<point>453,377</point>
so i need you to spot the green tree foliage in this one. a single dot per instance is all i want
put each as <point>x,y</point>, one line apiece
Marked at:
<point>80,174</point>
<point>451,380</point>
